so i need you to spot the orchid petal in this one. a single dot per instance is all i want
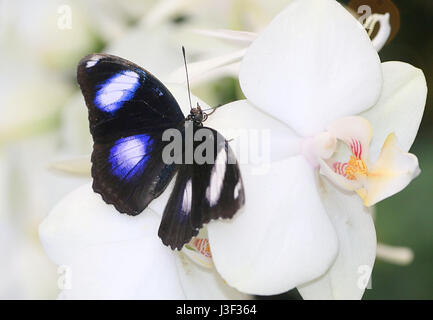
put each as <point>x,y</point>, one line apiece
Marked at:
<point>241,37</point>
<point>391,173</point>
<point>202,283</point>
<point>349,275</point>
<point>197,70</point>
<point>400,106</point>
<point>195,269</point>
<point>272,246</point>
<point>109,255</point>
<point>253,129</point>
<point>228,70</point>
<point>355,131</point>
<point>313,64</point>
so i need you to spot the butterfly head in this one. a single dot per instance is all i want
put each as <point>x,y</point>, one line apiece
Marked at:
<point>197,115</point>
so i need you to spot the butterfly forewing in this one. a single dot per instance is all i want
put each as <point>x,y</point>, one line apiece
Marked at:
<point>124,99</point>
<point>128,111</point>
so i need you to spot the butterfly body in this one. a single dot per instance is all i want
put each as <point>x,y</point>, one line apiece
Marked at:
<point>130,112</point>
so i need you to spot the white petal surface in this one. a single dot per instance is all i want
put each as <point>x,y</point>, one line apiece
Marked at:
<point>199,282</point>
<point>400,106</point>
<point>349,274</point>
<point>109,255</point>
<point>314,63</point>
<point>355,132</point>
<point>281,238</point>
<point>390,174</point>
<point>198,70</point>
<point>239,37</point>
<point>254,132</point>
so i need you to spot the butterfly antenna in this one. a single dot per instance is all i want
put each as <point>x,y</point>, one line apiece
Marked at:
<point>187,79</point>
<point>213,109</point>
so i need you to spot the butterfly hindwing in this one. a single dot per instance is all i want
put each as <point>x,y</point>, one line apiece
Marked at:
<point>128,111</point>
<point>130,173</point>
<point>202,192</point>
<point>176,227</point>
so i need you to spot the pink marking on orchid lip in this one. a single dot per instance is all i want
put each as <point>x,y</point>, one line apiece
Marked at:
<point>356,148</point>
<point>340,168</point>
<point>202,246</point>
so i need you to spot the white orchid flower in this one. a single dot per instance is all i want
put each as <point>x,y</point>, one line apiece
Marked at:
<point>228,64</point>
<point>314,78</point>
<point>107,255</point>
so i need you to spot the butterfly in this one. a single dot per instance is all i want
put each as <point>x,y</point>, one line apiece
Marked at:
<point>129,111</point>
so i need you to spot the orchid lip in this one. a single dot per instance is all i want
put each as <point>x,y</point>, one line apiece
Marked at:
<point>373,182</point>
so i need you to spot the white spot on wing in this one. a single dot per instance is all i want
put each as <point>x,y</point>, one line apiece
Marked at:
<point>94,60</point>
<point>91,63</point>
<point>213,191</point>
<point>237,189</point>
<point>187,197</point>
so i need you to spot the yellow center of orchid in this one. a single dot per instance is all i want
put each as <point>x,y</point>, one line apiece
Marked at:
<point>355,166</point>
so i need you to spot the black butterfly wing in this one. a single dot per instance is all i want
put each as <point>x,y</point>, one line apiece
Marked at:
<point>176,227</point>
<point>124,99</point>
<point>202,192</point>
<point>128,111</point>
<point>129,172</point>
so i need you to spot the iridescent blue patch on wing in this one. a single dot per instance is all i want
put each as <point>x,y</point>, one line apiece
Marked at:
<point>117,90</point>
<point>129,156</point>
